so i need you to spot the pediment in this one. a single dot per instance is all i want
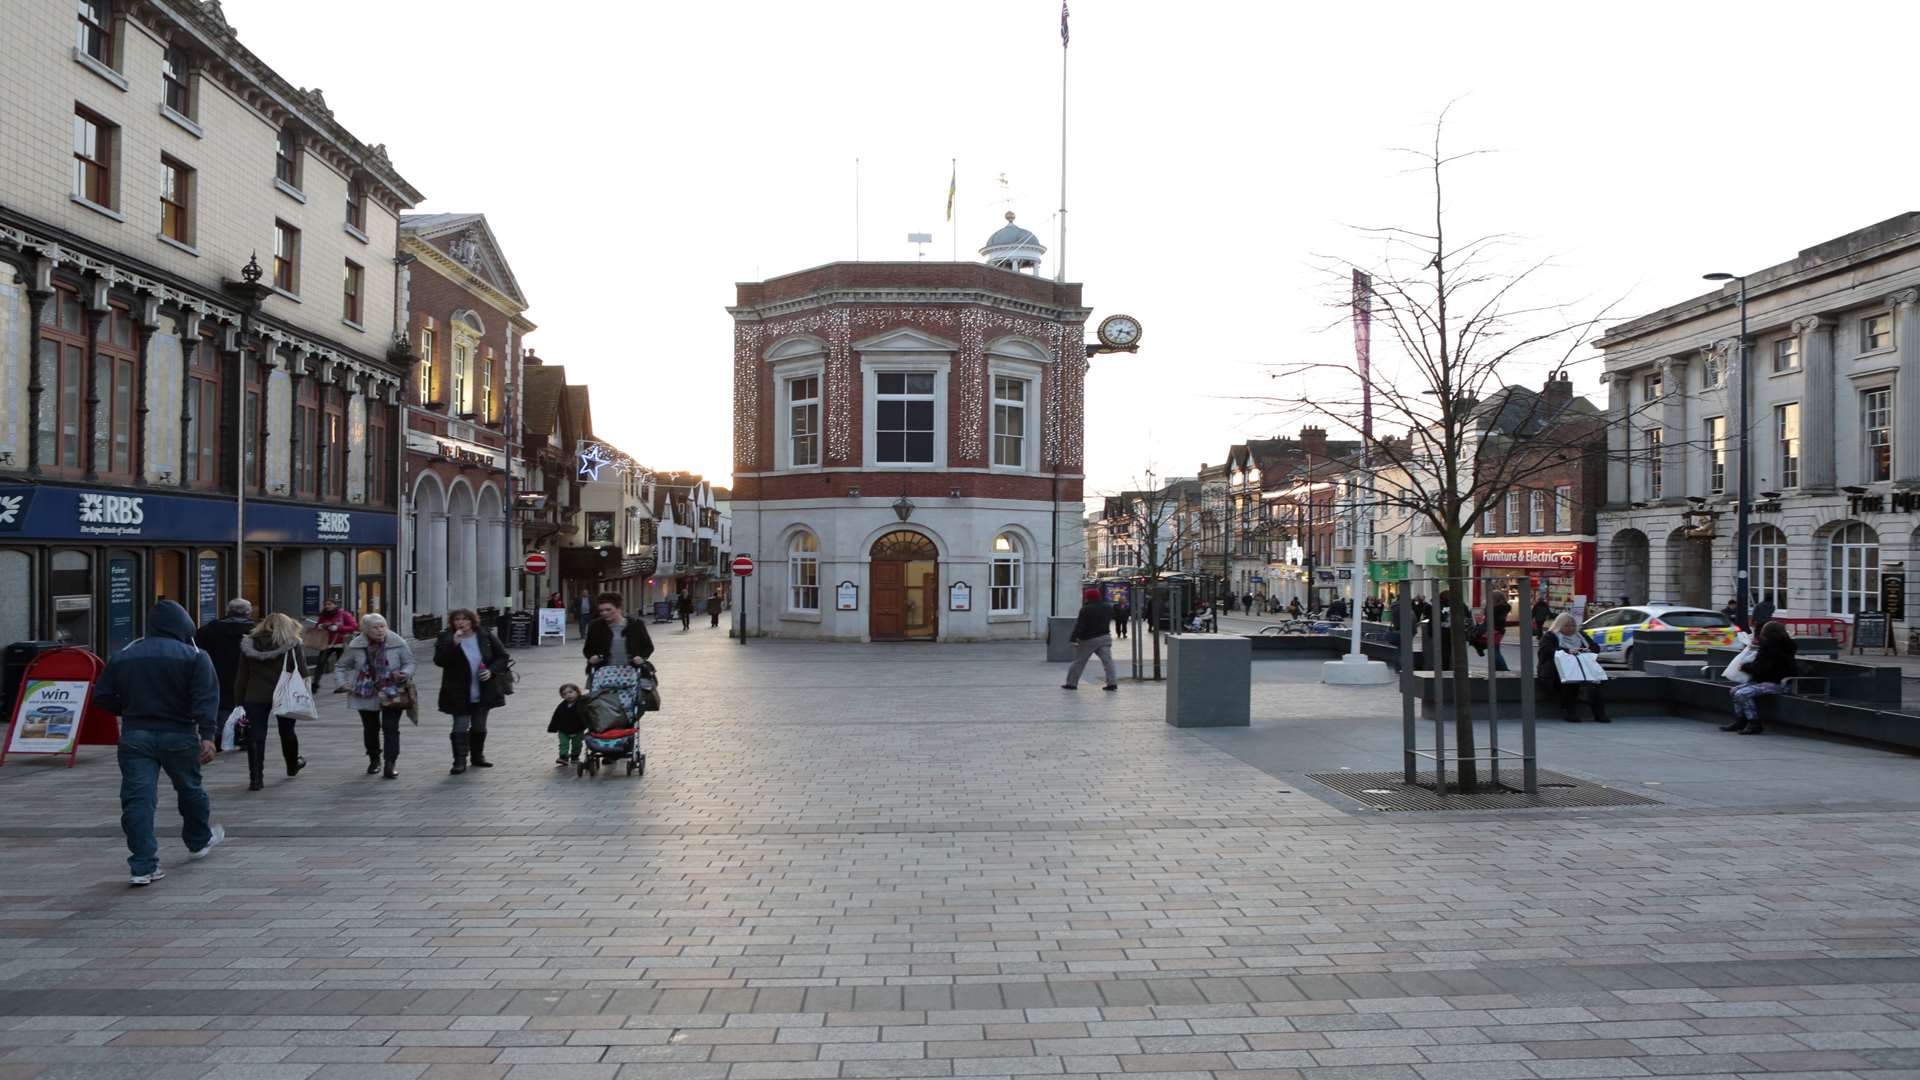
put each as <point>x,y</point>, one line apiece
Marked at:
<point>907,340</point>
<point>1015,347</point>
<point>796,347</point>
<point>468,241</point>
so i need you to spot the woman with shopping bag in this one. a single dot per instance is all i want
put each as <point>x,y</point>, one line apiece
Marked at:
<point>1569,663</point>
<point>376,670</point>
<point>272,683</point>
<point>1773,661</point>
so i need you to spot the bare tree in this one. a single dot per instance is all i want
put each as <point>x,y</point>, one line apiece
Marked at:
<point>1458,322</point>
<point>1160,529</point>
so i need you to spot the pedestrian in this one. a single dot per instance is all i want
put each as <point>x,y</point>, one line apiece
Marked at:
<point>1246,603</point>
<point>616,647</point>
<point>167,696</point>
<point>1497,621</point>
<point>569,725</point>
<point>377,673</point>
<point>220,640</point>
<point>1762,615</point>
<point>1092,636</point>
<point>468,654</point>
<point>713,611</point>
<point>1624,602</point>
<point>1731,610</point>
<point>557,602</point>
<point>583,609</point>
<point>1774,661</point>
<point>1293,607</point>
<point>684,608</point>
<point>340,626</point>
<point>1444,627</point>
<point>1122,613</point>
<point>271,649</point>
<point>1541,613</point>
<point>1566,636</point>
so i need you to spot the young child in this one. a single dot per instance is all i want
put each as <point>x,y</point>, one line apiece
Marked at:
<point>568,724</point>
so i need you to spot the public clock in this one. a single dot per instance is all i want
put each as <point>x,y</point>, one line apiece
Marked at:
<point>1120,331</point>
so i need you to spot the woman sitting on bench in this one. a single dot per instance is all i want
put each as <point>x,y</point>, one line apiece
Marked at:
<point>1772,664</point>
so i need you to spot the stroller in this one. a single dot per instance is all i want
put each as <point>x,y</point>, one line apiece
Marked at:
<point>613,735</point>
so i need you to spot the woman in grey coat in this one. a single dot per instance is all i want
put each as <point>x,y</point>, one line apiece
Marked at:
<point>376,672</point>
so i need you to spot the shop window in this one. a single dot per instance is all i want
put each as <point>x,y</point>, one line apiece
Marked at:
<point>170,579</point>
<point>201,455</point>
<point>70,587</point>
<point>17,585</point>
<point>253,580</point>
<point>118,360</point>
<point>370,582</point>
<point>1768,555</point>
<point>63,355</point>
<point>1853,570</point>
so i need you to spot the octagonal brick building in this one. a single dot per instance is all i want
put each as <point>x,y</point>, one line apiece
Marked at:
<point>907,448</point>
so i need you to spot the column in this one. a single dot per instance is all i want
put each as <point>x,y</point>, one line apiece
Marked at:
<point>99,418</point>
<point>1676,472</point>
<point>1906,388</point>
<point>1617,494</point>
<point>468,577</point>
<point>1816,405</point>
<point>430,576</point>
<point>39,433</point>
<point>146,324</point>
<point>188,327</point>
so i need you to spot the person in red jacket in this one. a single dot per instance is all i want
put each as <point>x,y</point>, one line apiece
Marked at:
<point>340,626</point>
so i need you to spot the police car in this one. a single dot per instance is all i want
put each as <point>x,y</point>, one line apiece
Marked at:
<point>1612,630</point>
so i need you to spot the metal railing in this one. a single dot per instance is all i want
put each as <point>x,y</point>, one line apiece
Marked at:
<point>1411,752</point>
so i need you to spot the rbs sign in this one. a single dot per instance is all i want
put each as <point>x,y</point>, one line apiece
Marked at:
<point>111,515</point>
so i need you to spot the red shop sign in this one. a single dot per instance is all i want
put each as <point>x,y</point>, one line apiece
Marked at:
<point>1555,557</point>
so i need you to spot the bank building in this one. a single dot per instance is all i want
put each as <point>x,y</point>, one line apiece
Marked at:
<point>907,447</point>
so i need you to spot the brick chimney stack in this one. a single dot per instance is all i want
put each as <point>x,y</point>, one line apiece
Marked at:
<point>1313,440</point>
<point>1558,392</point>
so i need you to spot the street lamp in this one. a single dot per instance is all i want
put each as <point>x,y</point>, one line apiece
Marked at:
<point>1744,498</point>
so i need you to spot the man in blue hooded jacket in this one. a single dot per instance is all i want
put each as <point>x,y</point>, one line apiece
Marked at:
<point>167,696</point>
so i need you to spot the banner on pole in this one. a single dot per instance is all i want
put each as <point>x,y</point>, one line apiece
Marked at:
<point>1363,349</point>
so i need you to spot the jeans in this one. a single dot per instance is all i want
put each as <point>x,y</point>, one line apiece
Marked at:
<point>143,754</point>
<point>473,722</point>
<point>257,737</point>
<point>377,722</point>
<point>1083,651</point>
<point>1499,657</point>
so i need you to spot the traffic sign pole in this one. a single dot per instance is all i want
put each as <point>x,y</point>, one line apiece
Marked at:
<point>743,569</point>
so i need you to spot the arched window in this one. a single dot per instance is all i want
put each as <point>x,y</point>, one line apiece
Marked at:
<point>1005,599</point>
<point>1768,555</point>
<point>1853,570</point>
<point>803,573</point>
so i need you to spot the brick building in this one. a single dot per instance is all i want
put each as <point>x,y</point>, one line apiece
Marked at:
<point>907,447</point>
<point>1543,527</point>
<point>467,323</point>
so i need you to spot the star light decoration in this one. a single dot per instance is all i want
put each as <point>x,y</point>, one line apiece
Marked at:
<point>595,457</point>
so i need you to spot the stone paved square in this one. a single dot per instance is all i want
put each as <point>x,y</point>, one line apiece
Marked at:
<point>918,860</point>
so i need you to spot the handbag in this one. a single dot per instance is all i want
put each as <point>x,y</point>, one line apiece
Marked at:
<point>502,669</point>
<point>1567,665</point>
<point>1590,667</point>
<point>1736,671</point>
<point>291,697</point>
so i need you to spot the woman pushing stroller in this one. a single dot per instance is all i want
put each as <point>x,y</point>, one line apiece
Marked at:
<point>615,649</point>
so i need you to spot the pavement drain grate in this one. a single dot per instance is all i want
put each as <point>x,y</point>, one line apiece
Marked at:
<point>1385,792</point>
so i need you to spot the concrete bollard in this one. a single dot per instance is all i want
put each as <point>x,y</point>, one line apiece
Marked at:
<point>1060,639</point>
<point>1209,680</point>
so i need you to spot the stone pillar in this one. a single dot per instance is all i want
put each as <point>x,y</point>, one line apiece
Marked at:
<point>188,327</point>
<point>469,569</point>
<point>1676,473</point>
<point>40,429</point>
<point>431,573</point>
<point>1816,405</point>
<point>1617,428</point>
<point>1906,388</point>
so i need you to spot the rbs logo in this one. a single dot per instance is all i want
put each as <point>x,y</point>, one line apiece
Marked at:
<point>111,510</point>
<point>333,524</point>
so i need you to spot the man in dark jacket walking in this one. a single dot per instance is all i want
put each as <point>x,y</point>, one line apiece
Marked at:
<point>713,611</point>
<point>220,640</point>
<point>684,608</point>
<point>167,697</point>
<point>1092,636</point>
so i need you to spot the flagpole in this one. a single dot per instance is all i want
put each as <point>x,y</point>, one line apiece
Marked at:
<point>953,197</point>
<point>1060,259</point>
<point>856,209</point>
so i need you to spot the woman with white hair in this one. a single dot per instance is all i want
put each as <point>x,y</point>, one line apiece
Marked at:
<point>376,672</point>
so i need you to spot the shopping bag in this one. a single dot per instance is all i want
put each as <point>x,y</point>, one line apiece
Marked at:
<point>1567,666</point>
<point>1736,672</point>
<point>1591,669</point>
<point>230,731</point>
<point>291,697</point>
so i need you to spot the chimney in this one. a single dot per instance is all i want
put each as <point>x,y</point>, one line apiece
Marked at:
<point>1558,392</point>
<point>1313,440</point>
<point>527,359</point>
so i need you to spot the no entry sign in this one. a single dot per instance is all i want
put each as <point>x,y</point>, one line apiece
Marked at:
<point>742,565</point>
<point>536,563</point>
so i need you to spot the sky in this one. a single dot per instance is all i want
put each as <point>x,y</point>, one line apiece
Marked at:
<point>635,160</point>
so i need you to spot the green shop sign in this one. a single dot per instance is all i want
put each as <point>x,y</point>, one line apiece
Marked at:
<point>1387,571</point>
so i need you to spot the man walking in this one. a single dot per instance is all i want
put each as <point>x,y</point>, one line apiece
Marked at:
<point>1092,636</point>
<point>583,610</point>
<point>220,640</point>
<point>1761,615</point>
<point>713,611</point>
<point>163,689</point>
<point>684,608</point>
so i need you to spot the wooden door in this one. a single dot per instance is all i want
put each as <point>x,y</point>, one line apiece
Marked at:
<point>889,603</point>
<point>930,599</point>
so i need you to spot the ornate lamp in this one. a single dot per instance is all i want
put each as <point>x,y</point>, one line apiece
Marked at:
<point>903,506</point>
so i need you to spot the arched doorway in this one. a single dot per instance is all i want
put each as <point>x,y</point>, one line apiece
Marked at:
<point>1630,573</point>
<point>1689,571</point>
<point>905,587</point>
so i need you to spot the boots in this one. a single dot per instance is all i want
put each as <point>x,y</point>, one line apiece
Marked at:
<point>256,765</point>
<point>373,764</point>
<point>459,741</point>
<point>480,751</point>
<point>290,748</point>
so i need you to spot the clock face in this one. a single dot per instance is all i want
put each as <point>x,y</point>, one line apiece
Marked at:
<point>1119,330</point>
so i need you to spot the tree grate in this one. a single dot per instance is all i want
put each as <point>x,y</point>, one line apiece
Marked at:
<point>1387,792</point>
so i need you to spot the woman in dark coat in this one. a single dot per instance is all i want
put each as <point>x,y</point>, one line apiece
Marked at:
<point>616,647</point>
<point>468,655</point>
<point>1566,636</point>
<point>272,648</point>
<point>1774,662</point>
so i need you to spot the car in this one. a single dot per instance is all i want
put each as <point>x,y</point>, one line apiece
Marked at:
<point>1612,630</point>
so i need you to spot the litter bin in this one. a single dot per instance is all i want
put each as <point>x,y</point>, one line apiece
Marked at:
<point>426,626</point>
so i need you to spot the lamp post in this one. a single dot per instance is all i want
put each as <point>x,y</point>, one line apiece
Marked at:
<point>250,293</point>
<point>1744,496</point>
